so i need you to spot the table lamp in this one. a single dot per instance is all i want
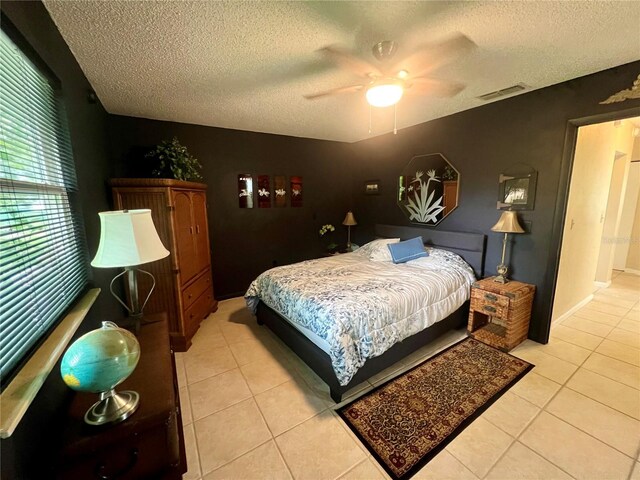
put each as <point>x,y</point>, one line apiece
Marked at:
<point>129,238</point>
<point>507,223</point>
<point>349,220</point>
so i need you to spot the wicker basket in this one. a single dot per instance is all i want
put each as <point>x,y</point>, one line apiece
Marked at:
<point>500,313</point>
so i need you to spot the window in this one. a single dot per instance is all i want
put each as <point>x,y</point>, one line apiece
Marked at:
<point>43,261</point>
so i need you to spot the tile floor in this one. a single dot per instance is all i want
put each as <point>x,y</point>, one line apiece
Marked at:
<point>253,410</point>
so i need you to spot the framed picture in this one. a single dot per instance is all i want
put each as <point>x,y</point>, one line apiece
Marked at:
<point>280,190</point>
<point>245,190</point>
<point>296,191</point>
<point>264,191</point>
<point>372,187</point>
<point>517,189</point>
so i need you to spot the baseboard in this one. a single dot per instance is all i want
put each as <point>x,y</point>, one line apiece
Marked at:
<point>633,271</point>
<point>227,296</point>
<point>572,310</point>
<point>602,284</point>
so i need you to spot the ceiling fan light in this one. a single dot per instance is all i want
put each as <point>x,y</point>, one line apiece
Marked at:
<point>384,95</point>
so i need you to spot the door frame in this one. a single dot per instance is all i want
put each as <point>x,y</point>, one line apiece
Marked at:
<point>562,198</point>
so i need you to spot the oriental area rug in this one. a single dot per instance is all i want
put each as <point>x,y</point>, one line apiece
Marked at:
<point>407,421</point>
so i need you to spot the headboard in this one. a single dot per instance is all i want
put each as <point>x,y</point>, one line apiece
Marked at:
<point>470,246</point>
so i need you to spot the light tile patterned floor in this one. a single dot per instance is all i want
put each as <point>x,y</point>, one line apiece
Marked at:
<point>253,410</point>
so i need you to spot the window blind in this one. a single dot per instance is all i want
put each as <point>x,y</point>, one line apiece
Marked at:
<point>43,263</point>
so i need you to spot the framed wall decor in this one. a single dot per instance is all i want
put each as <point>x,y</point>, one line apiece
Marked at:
<point>280,190</point>
<point>245,190</point>
<point>296,191</point>
<point>372,187</point>
<point>517,188</point>
<point>428,189</point>
<point>264,191</point>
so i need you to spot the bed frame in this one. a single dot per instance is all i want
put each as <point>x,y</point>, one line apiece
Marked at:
<point>470,246</point>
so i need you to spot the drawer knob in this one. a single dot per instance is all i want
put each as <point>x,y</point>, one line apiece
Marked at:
<point>103,475</point>
<point>491,298</point>
<point>489,308</point>
<point>190,295</point>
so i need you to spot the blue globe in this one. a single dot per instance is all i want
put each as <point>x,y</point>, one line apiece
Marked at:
<point>100,359</point>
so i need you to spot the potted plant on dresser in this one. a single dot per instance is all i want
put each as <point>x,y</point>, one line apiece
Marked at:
<point>178,205</point>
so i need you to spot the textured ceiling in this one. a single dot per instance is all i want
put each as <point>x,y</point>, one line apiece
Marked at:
<point>246,65</point>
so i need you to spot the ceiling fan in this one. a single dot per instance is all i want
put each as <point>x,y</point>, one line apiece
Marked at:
<point>384,85</point>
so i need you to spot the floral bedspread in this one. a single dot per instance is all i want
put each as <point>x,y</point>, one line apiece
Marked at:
<point>361,307</point>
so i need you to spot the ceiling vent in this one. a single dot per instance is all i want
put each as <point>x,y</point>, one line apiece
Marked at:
<point>504,92</point>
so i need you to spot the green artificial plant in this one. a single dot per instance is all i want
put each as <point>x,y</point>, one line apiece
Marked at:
<point>174,161</point>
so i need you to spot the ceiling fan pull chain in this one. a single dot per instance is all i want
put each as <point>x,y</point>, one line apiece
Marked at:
<point>369,119</point>
<point>395,119</point>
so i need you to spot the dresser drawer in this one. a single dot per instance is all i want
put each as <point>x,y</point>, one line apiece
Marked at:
<point>197,288</point>
<point>492,304</point>
<point>148,454</point>
<point>198,311</point>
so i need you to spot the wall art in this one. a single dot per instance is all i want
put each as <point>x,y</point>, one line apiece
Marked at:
<point>372,187</point>
<point>517,188</point>
<point>296,191</point>
<point>264,191</point>
<point>245,190</point>
<point>280,190</point>
<point>428,189</point>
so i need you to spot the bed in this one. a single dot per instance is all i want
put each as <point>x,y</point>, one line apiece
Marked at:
<point>349,318</point>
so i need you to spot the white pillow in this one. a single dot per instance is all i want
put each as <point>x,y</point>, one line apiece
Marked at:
<point>377,250</point>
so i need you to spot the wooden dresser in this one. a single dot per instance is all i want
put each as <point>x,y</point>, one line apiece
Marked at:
<point>184,288</point>
<point>499,314</point>
<point>150,443</point>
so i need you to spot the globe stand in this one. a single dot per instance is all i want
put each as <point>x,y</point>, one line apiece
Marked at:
<point>113,407</point>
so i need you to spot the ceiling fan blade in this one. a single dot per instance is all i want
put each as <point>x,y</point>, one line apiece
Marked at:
<point>431,86</point>
<point>433,55</point>
<point>350,62</point>
<point>334,91</point>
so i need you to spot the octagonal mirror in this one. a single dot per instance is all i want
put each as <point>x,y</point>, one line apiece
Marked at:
<point>428,189</point>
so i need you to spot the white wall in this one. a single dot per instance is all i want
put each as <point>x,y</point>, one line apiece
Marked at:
<point>633,258</point>
<point>588,194</point>
<point>629,208</point>
<point>617,191</point>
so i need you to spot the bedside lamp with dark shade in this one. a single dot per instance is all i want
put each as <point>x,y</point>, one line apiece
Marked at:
<point>507,223</point>
<point>129,238</point>
<point>349,221</point>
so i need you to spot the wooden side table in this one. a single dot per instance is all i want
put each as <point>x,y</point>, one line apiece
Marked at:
<point>150,443</point>
<point>500,313</point>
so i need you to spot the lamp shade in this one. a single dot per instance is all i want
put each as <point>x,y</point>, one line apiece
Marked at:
<point>349,219</point>
<point>127,238</point>
<point>508,223</point>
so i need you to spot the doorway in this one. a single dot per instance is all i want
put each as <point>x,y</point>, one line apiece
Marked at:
<point>600,213</point>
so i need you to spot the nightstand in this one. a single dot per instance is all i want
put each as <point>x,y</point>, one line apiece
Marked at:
<point>499,314</point>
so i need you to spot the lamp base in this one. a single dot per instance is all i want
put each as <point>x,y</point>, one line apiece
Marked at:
<point>113,407</point>
<point>502,270</point>
<point>131,323</point>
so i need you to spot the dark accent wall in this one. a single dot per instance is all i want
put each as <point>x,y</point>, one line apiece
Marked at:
<point>24,453</point>
<point>246,242</point>
<point>481,143</point>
